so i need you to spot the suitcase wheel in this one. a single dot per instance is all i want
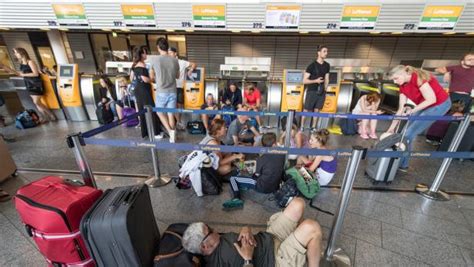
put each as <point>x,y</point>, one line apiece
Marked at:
<point>15,173</point>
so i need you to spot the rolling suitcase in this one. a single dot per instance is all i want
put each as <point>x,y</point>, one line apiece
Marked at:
<point>51,209</point>
<point>467,142</point>
<point>120,229</point>
<point>128,111</point>
<point>385,169</point>
<point>7,165</point>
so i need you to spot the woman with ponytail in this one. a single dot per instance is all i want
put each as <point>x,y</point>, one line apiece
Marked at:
<point>429,96</point>
<point>324,167</point>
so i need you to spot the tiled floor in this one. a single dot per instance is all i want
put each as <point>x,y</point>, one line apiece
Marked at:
<point>380,228</point>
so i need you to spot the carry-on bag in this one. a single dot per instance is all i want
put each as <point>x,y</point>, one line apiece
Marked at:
<point>51,209</point>
<point>385,169</point>
<point>195,127</point>
<point>467,142</point>
<point>104,115</point>
<point>26,119</point>
<point>128,111</point>
<point>120,229</point>
<point>7,165</point>
<point>171,252</point>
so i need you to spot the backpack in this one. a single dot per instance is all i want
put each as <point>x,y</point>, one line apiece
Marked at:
<point>286,193</point>
<point>171,252</point>
<point>26,119</point>
<point>348,126</point>
<point>211,184</point>
<point>308,186</point>
<point>228,118</point>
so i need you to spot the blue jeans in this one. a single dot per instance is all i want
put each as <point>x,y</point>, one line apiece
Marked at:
<point>417,127</point>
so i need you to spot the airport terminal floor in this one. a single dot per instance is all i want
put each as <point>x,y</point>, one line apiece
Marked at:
<point>381,228</point>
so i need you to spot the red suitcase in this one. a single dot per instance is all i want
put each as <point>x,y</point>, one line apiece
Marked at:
<point>51,209</point>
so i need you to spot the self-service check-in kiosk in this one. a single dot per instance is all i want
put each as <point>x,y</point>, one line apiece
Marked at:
<point>50,96</point>
<point>70,92</point>
<point>293,90</point>
<point>194,89</point>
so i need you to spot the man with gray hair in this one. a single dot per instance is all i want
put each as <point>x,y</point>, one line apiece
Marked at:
<point>286,242</point>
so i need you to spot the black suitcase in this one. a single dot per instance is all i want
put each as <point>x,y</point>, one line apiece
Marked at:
<point>120,229</point>
<point>467,143</point>
<point>104,115</point>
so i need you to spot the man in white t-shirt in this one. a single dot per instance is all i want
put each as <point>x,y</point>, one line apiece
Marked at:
<point>183,66</point>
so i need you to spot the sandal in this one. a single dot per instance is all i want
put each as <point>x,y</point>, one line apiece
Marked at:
<point>4,196</point>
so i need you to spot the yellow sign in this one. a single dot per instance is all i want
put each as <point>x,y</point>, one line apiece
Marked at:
<point>209,16</point>
<point>209,10</point>
<point>69,11</point>
<point>361,11</point>
<point>443,11</point>
<point>138,11</point>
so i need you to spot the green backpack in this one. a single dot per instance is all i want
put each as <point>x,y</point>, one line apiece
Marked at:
<point>308,188</point>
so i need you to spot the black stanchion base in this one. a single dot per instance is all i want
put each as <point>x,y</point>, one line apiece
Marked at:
<point>425,192</point>
<point>158,182</point>
<point>339,259</point>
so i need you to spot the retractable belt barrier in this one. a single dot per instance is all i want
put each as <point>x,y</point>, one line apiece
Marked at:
<point>332,254</point>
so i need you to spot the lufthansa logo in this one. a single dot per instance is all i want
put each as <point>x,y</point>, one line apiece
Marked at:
<point>340,116</point>
<point>415,154</point>
<point>211,148</point>
<point>144,145</point>
<point>275,151</point>
<point>343,154</point>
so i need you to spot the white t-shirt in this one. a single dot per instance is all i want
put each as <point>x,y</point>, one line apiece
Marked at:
<point>183,65</point>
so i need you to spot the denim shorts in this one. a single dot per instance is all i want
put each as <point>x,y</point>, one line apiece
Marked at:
<point>166,100</point>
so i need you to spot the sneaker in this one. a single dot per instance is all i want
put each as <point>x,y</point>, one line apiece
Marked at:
<point>172,136</point>
<point>403,169</point>
<point>373,136</point>
<point>180,126</point>
<point>159,137</point>
<point>233,203</point>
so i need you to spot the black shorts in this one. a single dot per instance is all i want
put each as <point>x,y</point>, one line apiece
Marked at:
<point>180,96</point>
<point>314,100</point>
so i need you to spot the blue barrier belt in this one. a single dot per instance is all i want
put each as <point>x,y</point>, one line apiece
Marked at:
<point>111,125</point>
<point>311,114</point>
<point>163,145</point>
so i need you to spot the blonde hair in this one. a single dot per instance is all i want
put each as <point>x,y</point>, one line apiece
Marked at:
<point>422,75</point>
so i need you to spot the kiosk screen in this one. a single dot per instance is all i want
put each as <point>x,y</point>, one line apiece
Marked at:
<point>66,71</point>
<point>333,78</point>
<point>294,77</point>
<point>195,76</point>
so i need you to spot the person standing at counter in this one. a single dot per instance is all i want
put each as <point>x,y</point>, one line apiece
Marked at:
<point>316,78</point>
<point>165,71</point>
<point>461,78</point>
<point>429,96</point>
<point>30,72</point>
<point>183,66</point>
<point>142,89</point>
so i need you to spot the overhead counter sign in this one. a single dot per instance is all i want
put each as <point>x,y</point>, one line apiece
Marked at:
<point>70,14</point>
<point>359,17</point>
<point>440,17</point>
<point>209,16</point>
<point>282,17</point>
<point>138,15</point>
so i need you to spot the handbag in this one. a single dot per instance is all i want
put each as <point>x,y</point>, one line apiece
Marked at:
<point>34,84</point>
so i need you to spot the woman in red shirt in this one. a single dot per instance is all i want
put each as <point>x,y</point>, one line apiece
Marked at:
<point>252,98</point>
<point>429,96</point>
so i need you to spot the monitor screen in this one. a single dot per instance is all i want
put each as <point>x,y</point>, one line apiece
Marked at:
<point>66,71</point>
<point>195,76</point>
<point>294,77</point>
<point>333,78</point>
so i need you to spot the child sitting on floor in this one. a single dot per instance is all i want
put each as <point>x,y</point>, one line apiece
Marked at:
<point>323,167</point>
<point>266,179</point>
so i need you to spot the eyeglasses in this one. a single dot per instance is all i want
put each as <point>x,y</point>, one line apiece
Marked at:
<point>210,231</point>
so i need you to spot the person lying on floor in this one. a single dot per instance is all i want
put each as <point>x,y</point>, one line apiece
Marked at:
<point>288,241</point>
<point>267,176</point>
<point>323,167</point>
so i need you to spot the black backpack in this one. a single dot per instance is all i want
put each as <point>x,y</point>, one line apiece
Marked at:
<point>196,127</point>
<point>211,184</point>
<point>286,193</point>
<point>171,252</point>
<point>348,126</point>
<point>104,115</point>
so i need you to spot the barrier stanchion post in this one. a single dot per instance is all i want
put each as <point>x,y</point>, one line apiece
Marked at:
<point>75,142</point>
<point>333,256</point>
<point>289,124</point>
<point>157,179</point>
<point>433,192</point>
